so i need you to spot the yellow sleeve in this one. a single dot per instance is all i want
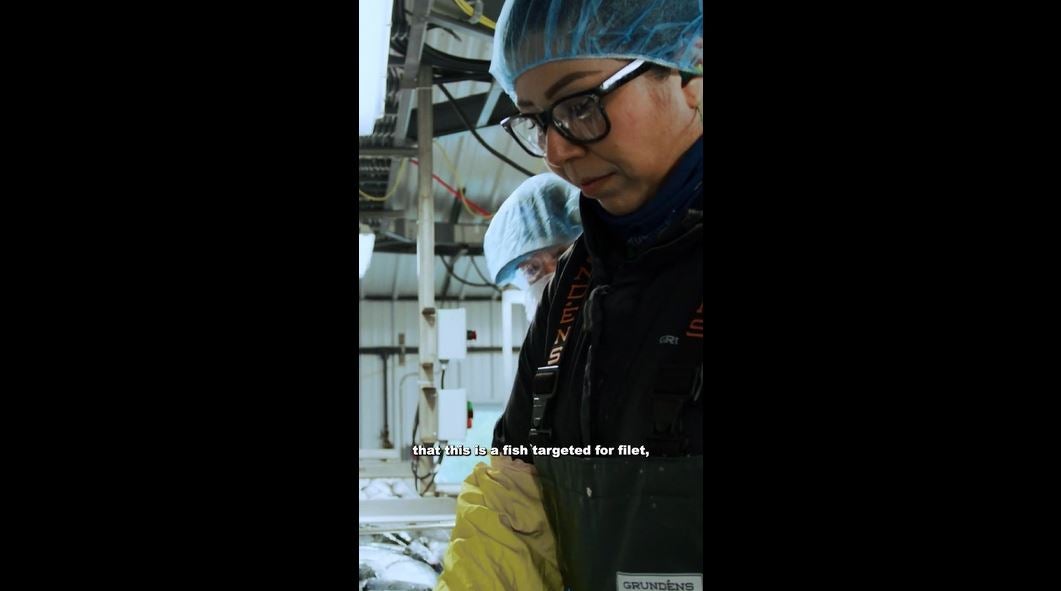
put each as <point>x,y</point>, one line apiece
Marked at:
<point>502,539</point>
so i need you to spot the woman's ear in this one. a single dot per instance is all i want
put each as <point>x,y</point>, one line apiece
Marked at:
<point>694,89</point>
<point>694,92</point>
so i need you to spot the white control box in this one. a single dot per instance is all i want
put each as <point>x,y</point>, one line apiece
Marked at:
<point>452,334</point>
<point>452,414</point>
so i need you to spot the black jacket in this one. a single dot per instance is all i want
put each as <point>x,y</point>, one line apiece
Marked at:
<point>633,349</point>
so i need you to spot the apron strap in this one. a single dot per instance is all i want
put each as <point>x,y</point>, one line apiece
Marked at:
<point>563,314</point>
<point>542,390</point>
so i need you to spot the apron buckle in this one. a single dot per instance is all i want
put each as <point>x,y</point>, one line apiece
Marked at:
<point>544,388</point>
<point>540,436</point>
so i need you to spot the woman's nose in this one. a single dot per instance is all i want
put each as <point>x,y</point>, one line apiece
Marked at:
<point>559,149</point>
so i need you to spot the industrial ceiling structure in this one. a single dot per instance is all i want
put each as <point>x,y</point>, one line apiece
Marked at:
<point>471,177</point>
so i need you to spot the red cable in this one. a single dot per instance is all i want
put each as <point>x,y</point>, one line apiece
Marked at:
<point>456,193</point>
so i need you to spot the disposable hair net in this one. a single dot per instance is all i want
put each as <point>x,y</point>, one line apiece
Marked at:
<point>541,213</point>
<point>533,32</point>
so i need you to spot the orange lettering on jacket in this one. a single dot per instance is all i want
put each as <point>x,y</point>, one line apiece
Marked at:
<point>572,302</point>
<point>696,327</point>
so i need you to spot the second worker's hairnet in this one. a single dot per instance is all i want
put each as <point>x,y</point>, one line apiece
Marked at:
<point>541,213</point>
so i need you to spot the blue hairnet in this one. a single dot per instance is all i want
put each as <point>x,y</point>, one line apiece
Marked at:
<point>541,213</point>
<point>533,32</point>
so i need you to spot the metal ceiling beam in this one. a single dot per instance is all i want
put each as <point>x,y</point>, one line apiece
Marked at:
<point>446,121</point>
<point>440,249</point>
<point>414,350</point>
<point>411,70</point>
<point>406,230</point>
<point>412,298</point>
<point>489,105</point>
<point>406,152</point>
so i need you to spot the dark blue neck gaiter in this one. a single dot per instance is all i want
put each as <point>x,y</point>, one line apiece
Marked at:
<point>678,192</point>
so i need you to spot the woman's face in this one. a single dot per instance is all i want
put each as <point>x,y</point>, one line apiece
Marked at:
<point>653,122</point>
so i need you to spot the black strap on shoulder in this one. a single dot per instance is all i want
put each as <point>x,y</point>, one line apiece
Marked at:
<point>563,312</point>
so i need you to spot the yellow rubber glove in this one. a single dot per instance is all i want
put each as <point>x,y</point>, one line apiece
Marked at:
<point>502,540</point>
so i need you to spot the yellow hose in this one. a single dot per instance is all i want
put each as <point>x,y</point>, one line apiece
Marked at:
<point>397,181</point>
<point>468,10</point>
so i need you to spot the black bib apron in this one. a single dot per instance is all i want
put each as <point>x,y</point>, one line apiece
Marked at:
<point>628,522</point>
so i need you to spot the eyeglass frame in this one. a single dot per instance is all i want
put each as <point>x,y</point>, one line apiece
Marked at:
<point>551,253</point>
<point>544,120</point>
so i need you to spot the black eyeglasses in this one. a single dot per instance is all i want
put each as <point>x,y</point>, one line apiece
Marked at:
<point>580,118</point>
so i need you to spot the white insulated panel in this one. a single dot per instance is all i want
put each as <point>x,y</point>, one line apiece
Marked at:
<point>479,373</point>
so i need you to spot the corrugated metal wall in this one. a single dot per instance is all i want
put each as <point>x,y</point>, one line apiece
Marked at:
<point>479,373</point>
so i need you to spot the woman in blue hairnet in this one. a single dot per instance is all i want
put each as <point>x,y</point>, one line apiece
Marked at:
<point>530,230</point>
<point>605,415</point>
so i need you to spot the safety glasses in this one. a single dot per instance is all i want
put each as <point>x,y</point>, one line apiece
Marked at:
<point>536,266</point>
<point>580,118</point>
